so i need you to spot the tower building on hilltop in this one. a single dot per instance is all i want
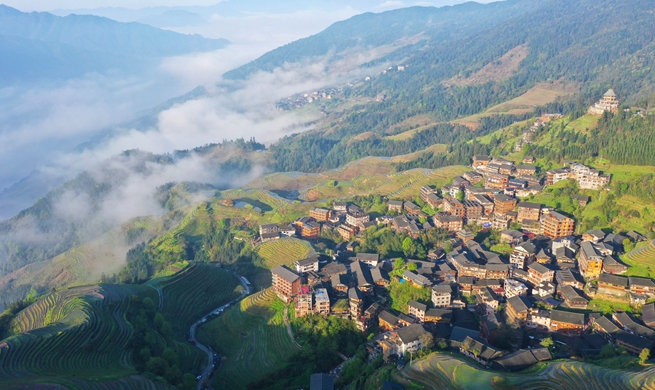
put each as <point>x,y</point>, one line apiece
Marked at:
<point>609,102</point>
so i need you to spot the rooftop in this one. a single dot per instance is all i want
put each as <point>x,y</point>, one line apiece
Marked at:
<point>285,273</point>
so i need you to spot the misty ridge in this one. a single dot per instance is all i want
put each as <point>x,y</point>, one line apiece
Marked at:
<point>125,172</point>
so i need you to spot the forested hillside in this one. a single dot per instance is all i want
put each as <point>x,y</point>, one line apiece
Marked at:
<point>454,78</point>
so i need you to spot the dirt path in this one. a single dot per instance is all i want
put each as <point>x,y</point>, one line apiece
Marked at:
<point>288,324</point>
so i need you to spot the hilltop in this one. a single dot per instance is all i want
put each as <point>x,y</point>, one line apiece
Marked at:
<point>40,45</point>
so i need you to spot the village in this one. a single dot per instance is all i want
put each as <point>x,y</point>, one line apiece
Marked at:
<point>540,289</point>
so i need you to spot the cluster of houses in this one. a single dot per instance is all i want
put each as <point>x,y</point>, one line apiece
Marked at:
<point>299,100</point>
<point>529,135</point>
<point>346,219</point>
<point>543,285</point>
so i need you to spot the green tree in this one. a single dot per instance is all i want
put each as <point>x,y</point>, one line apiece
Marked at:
<point>412,266</point>
<point>644,355</point>
<point>427,339</point>
<point>166,329</point>
<point>547,342</point>
<point>157,366</point>
<point>408,247</point>
<point>188,382</point>
<point>159,320</point>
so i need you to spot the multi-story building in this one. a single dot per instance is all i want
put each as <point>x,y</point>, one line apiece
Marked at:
<point>608,102</point>
<point>303,301</point>
<point>473,177</point>
<point>567,322</point>
<point>357,218</point>
<point>454,207</point>
<point>473,209</point>
<point>522,255</point>
<point>310,230</point>
<point>514,288</point>
<point>306,265</point>
<point>517,309</point>
<point>555,225</point>
<point>641,285</point>
<point>269,232</point>
<point>557,175</point>
<point>395,205</point>
<point>411,208</point>
<point>531,211</point>
<point>487,205</point>
<point>565,277</point>
<point>452,223</point>
<point>434,201</point>
<point>538,273</point>
<point>320,214</point>
<point>572,298</point>
<point>496,180</point>
<point>286,283</point>
<point>612,284</point>
<point>417,310</point>
<point>441,295</point>
<point>591,262</point>
<point>504,204</point>
<point>593,180</point>
<point>321,301</point>
<point>347,232</point>
<point>480,161</point>
<point>527,170</point>
<point>425,191</point>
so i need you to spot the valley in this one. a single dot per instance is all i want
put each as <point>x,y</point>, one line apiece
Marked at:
<point>450,197</point>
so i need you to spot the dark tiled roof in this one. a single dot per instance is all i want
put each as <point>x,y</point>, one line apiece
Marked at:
<point>607,325</point>
<point>410,333</point>
<point>388,317</point>
<point>633,340</point>
<point>442,288</point>
<point>540,268</point>
<point>443,313</point>
<point>648,314</point>
<point>517,361</point>
<point>528,205</point>
<point>321,382</point>
<point>361,273</point>
<point>368,256</point>
<point>378,274</point>
<point>285,273</point>
<point>567,317</point>
<point>614,280</point>
<point>418,305</point>
<point>640,281</point>
<point>518,304</point>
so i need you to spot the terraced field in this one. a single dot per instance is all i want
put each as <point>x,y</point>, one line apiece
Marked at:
<point>253,338</point>
<point>194,292</point>
<point>283,251</point>
<point>642,261</point>
<point>77,333</point>
<point>444,371</point>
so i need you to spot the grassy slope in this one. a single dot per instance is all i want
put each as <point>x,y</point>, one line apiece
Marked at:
<point>447,371</point>
<point>539,95</point>
<point>253,339</point>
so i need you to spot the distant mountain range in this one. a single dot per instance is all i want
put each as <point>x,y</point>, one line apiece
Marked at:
<point>39,45</point>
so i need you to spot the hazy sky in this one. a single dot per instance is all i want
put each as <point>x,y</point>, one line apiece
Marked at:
<point>40,5</point>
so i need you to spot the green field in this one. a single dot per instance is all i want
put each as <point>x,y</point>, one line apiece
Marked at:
<point>76,333</point>
<point>641,261</point>
<point>252,337</point>
<point>283,251</point>
<point>444,371</point>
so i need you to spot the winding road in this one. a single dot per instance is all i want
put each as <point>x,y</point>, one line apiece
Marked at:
<point>192,333</point>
